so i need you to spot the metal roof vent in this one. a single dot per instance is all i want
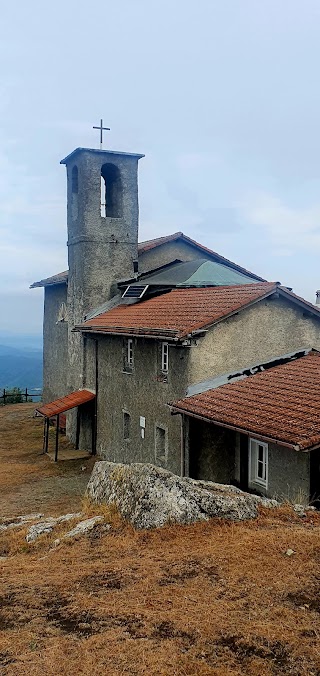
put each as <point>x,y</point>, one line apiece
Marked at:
<point>135,291</point>
<point>317,297</point>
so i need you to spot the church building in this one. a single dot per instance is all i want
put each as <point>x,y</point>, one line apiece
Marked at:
<point>131,329</point>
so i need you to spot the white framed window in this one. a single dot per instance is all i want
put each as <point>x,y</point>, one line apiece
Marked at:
<point>165,357</point>
<point>258,462</point>
<point>130,352</point>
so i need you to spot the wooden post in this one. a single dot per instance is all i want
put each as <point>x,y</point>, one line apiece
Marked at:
<point>78,429</point>
<point>47,435</point>
<point>57,438</point>
<point>4,396</point>
<point>26,394</point>
<point>44,436</point>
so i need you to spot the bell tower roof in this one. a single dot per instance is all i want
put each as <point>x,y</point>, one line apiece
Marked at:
<point>96,151</point>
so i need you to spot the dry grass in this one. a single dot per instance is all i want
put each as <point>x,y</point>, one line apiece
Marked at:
<point>30,481</point>
<point>213,598</point>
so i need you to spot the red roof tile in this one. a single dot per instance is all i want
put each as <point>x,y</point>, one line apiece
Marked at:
<point>282,403</point>
<point>66,403</point>
<point>180,312</point>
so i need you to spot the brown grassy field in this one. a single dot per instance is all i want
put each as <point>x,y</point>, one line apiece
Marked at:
<point>213,598</point>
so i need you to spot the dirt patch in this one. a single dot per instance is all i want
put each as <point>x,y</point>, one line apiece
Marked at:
<point>307,598</point>
<point>180,571</point>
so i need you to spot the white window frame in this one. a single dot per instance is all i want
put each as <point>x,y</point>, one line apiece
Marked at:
<point>130,352</point>
<point>254,462</point>
<point>165,357</point>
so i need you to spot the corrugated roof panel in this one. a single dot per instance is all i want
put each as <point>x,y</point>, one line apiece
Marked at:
<point>215,274</point>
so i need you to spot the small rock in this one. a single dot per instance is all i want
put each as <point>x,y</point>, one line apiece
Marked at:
<point>290,552</point>
<point>38,529</point>
<point>84,527</point>
<point>48,525</point>
<point>83,468</point>
<point>299,509</point>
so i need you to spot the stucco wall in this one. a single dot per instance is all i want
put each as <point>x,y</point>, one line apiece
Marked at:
<point>288,475</point>
<point>143,392</point>
<point>168,252</point>
<point>267,329</point>
<point>55,344</point>
<point>214,456</point>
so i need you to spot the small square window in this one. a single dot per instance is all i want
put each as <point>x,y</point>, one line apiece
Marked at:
<point>258,462</point>
<point>165,357</point>
<point>126,425</point>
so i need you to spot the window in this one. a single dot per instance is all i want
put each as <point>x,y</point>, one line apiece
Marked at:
<point>258,462</point>
<point>111,191</point>
<point>126,425</point>
<point>164,357</point>
<point>160,444</point>
<point>130,352</point>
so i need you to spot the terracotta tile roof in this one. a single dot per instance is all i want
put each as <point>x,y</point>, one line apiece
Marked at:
<point>152,243</point>
<point>282,403</point>
<point>66,403</point>
<point>180,312</point>
<point>60,278</point>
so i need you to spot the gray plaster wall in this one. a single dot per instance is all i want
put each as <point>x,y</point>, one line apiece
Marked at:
<point>168,252</point>
<point>267,329</point>
<point>144,392</point>
<point>214,456</point>
<point>55,344</point>
<point>288,475</point>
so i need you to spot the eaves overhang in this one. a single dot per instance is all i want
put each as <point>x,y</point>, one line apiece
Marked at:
<point>97,151</point>
<point>179,410</point>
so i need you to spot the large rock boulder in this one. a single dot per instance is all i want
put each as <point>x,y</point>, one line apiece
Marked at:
<point>150,496</point>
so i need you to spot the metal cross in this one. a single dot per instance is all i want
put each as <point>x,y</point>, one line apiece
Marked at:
<point>102,128</point>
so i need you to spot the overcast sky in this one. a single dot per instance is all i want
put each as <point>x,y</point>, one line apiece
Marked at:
<point>223,98</point>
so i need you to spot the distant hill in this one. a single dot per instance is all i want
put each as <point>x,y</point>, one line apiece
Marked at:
<point>20,367</point>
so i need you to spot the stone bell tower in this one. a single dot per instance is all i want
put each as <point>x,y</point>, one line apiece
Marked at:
<point>102,220</point>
